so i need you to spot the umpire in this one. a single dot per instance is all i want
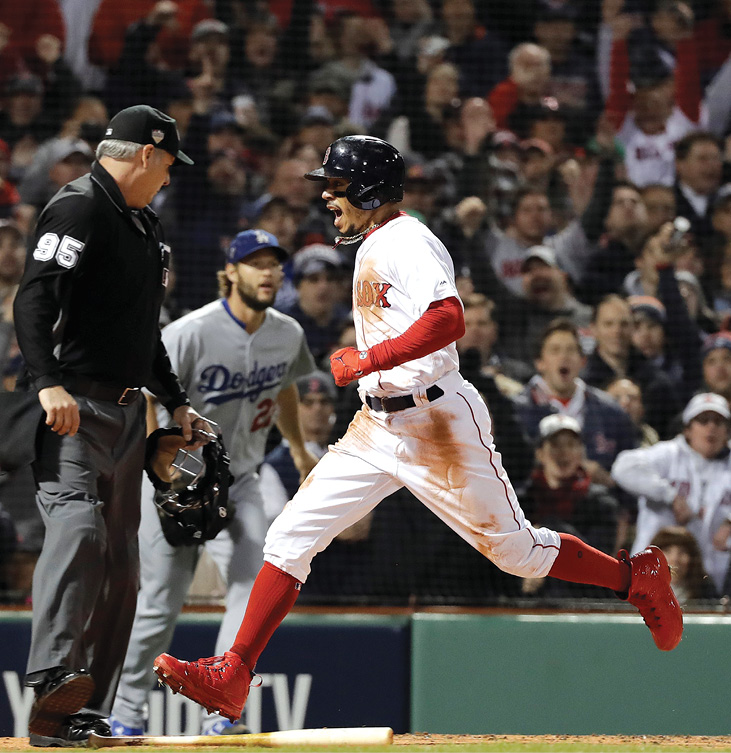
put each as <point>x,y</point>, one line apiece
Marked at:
<point>86,316</point>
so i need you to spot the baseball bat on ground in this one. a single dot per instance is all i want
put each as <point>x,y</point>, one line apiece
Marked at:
<point>294,737</point>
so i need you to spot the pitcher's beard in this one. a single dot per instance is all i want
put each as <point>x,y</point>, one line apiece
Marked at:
<point>252,301</point>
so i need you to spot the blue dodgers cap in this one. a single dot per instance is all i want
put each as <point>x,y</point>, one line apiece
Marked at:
<point>251,241</point>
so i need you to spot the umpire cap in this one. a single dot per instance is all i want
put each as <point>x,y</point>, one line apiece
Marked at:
<point>374,167</point>
<point>142,124</point>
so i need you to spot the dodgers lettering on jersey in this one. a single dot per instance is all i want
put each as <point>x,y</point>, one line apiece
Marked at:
<point>400,270</point>
<point>233,377</point>
<point>219,384</point>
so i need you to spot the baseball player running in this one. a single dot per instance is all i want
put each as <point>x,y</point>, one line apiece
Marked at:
<point>421,426</point>
<point>239,360</point>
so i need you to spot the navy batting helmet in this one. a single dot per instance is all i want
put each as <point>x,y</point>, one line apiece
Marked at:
<point>374,168</point>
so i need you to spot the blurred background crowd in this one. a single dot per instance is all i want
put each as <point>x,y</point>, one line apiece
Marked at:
<point>551,144</point>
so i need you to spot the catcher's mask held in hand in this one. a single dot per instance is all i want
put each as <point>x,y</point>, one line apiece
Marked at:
<point>192,504</point>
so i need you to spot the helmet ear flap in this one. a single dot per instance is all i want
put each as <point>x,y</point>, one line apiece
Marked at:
<point>364,197</point>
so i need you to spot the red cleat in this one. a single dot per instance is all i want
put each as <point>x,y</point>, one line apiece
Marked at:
<point>651,593</point>
<point>219,684</point>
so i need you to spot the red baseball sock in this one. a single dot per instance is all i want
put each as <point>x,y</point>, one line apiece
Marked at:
<point>272,596</point>
<point>580,563</point>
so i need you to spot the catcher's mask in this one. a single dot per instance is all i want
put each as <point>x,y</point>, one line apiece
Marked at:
<point>191,494</point>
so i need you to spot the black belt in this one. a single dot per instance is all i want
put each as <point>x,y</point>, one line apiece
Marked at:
<point>402,402</point>
<point>101,391</point>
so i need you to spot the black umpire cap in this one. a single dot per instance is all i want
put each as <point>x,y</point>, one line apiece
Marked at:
<point>143,124</point>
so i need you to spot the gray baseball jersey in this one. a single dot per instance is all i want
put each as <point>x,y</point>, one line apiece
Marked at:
<point>232,377</point>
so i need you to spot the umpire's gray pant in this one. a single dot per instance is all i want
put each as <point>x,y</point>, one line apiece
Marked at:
<point>166,574</point>
<point>85,582</point>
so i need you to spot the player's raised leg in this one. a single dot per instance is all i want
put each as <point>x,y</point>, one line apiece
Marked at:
<point>341,490</point>
<point>465,485</point>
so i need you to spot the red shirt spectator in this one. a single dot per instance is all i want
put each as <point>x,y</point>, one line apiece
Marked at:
<point>27,21</point>
<point>113,18</point>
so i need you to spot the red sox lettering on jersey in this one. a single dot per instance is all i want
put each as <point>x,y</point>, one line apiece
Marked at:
<point>371,293</point>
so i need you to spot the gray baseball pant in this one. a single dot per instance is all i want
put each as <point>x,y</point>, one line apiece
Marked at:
<point>166,574</point>
<point>86,578</point>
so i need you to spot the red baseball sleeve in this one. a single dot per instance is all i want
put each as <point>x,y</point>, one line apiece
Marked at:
<point>441,324</point>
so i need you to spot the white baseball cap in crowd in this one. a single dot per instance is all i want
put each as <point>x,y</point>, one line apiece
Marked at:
<point>556,422</point>
<point>704,402</point>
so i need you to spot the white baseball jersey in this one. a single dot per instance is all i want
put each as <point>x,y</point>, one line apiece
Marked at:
<point>394,283</point>
<point>658,474</point>
<point>233,377</point>
<point>651,158</point>
<point>440,450</point>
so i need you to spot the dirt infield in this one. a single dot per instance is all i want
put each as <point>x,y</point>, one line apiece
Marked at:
<point>503,742</point>
<point>694,742</point>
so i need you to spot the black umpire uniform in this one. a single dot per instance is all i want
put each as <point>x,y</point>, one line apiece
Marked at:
<point>87,316</point>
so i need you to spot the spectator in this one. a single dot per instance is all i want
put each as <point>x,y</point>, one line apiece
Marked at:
<point>31,27</point>
<point>261,75</point>
<point>372,87</point>
<point>330,87</point>
<point>529,223</point>
<point>481,336</point>
<point>662,110</point>
<point>490,375</point>
<point>412,21</point>
<point>287,183</point>
<point>139,74</point>
<point>9,196</point>
<point>684,481</point>
<point>625,225</point>
<point>58,162</point>
<point>201,236</point>
<point>605,428</point>
<point>648,332</point>
<point>422,118</point>
<point>527,85</point>
<point>659,201</point>
<point>548,121</point>
<point>628,396</point>
<point>278,218</point>
<point>12,261</point>
<point>280,479</point>
<point>546,296</point>
<point>573,71</point>
<point>688,578</point>
<point>78,16</point>
<point>716,356</point>
<point>318,272</point>
<point>479,54</point>
<point>698,165</point>
<point>421,193</point>
<point>713,40</point>
<point>560,492</point>
<point>316,129</point>
<point>22,123</point>
<point>614,356</point>
<point>174,20</point>
<point>721,216</point>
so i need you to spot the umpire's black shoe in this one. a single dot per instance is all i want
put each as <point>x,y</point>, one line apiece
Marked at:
<point>73,733</point>
<point>66,692</point>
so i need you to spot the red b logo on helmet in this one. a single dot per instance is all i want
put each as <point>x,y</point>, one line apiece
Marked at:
<point>327,154</point>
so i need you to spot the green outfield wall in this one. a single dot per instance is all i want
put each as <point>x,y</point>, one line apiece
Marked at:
<point>568,674</point>
<point>439,673</point>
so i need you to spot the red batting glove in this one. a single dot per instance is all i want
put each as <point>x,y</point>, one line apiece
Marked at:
<point>348,364</point>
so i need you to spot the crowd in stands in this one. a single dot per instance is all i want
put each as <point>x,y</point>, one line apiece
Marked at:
<point>573,155</point>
